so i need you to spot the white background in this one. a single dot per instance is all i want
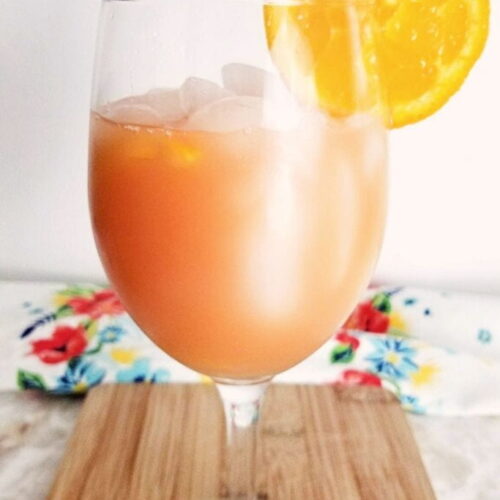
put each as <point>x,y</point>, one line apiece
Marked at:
<point>443,228</point>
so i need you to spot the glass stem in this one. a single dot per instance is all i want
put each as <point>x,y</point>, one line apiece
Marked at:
<point>242,403</point>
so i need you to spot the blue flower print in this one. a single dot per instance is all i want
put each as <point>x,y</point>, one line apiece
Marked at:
<point>484,336</point>
<point>392,357</point>
<point>111,334</point>
<point>411,403</point>
<point>140,371</point>
<point>160,376</point>
<point>136,373</point>
<point>79,376</point>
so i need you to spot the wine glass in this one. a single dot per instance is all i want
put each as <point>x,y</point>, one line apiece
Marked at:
<point>237,183</point>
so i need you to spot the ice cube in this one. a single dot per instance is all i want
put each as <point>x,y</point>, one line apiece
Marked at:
<point>228,114</point>
<point>158,107</point>
<point>196,93</point>
<point>167,102</point>
<point>244,79</point>
<point>132,110</point>
<point>280,109</point>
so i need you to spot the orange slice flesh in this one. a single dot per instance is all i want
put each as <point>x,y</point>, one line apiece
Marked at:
<point>424,48</point>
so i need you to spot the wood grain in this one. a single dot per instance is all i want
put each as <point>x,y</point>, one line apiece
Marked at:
<point>152,442</point>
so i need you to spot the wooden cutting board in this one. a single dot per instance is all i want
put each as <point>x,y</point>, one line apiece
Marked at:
<point>152,442</point>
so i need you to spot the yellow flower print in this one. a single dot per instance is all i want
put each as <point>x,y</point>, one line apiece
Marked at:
<point>397,323</point>
<point>206,380</point>
<point>424,375</point>
<point>123,356</point>
<point>60,300</point>
<point>80,388</point>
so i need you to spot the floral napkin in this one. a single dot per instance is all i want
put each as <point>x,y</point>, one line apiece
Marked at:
<point>438,352</point>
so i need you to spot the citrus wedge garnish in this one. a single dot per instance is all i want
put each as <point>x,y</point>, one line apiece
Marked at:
<point>424,51</point>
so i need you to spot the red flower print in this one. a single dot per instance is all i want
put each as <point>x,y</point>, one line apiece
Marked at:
<point>344,338</point>
<point>65,343</point>
<point>100,303</point>
<point>368,318</point>
<point>356,377</point>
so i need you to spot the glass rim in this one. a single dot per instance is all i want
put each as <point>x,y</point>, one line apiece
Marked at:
<point>283,3</point>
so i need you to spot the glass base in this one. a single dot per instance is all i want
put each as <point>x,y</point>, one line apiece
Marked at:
<point>242,400</point>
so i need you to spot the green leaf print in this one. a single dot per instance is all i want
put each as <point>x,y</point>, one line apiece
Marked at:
<point>342,354</point>
<point>29,380</point>
<point>382,302</point>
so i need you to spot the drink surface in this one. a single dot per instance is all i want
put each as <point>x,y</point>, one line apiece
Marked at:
<point>237,250</point>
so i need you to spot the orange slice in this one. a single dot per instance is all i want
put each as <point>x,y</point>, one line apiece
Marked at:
<point>425,49</point>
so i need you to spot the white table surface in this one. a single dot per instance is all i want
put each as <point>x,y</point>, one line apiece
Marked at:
<point>461,454</point>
